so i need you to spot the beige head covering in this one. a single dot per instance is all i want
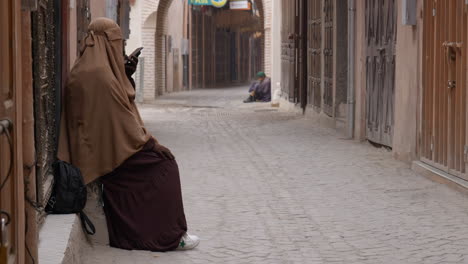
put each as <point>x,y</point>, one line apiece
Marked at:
<point>100,126</point>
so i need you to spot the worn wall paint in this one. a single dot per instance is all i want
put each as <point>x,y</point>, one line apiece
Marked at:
<point>175,29</point>
<point>136,22</point>
<point>275,51</point>
<point>360,73</point>
<point>407,86</point>
<point>98,9</point>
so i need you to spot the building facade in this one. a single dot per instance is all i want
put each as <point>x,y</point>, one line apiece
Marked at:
<point>405,86</point>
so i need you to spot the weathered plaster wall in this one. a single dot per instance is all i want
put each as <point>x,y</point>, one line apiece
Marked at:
<point>275,50</point>
<point>136,22</point>
<point>142,34</point>
<point>268,24</point>
<point>98,8</point>
<point>360,73</point>
<point>175,29</point>
<point>407,87</point>
<point>148,35</point>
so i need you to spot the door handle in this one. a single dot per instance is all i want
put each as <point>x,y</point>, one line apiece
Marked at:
<point>5,125</point>
<point>456,45</point>
<point>451,49</point>
<point>4,245</point>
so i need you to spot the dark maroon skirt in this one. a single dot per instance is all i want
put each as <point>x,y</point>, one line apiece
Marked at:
<point>143,203</point>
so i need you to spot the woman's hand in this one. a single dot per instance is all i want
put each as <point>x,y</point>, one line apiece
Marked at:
<point>163,151</point>
<point>131,64</point>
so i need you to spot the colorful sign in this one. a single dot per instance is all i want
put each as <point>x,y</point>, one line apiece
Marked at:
<point>215,3</point>
<point>218,3</point>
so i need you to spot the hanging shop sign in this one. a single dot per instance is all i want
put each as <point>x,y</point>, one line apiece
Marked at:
<point>215,3</point>
<point>240,5</point>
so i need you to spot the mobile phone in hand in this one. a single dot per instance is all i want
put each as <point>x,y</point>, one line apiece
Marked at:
<point>136,53</point>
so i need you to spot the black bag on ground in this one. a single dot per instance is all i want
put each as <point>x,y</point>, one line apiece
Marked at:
<point>69,194</point>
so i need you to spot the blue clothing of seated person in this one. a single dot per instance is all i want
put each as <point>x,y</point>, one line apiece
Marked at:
<point>260,91</point>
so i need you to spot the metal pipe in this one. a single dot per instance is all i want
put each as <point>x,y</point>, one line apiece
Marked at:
<point>351,60</point>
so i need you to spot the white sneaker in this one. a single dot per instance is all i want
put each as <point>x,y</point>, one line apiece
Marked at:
<point>188,242</point>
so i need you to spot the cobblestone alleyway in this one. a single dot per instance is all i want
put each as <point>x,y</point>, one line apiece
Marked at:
<point>263,186</point>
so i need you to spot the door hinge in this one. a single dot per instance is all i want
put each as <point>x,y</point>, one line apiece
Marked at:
<point>434,12</point>
<point>432,144</point>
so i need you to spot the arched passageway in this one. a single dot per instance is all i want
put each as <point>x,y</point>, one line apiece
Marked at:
<point>211,35</point>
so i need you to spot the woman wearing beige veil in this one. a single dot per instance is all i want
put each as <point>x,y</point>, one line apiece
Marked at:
<point>103,134</point>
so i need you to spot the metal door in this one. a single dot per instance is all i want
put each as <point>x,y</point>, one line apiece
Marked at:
<point>314,59</point>
<point>444,137</point>
<point>380,26</point>
<point>288,49</point>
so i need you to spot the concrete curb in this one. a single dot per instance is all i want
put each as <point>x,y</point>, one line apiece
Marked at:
<point>440,176</point>
<point>61,240</point>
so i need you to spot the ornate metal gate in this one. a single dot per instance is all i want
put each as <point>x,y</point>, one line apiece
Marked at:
<point>444,132</point>
<point>380,33</point>
<point>46,80</point>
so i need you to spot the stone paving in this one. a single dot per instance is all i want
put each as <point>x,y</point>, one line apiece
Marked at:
<point>265,186</point>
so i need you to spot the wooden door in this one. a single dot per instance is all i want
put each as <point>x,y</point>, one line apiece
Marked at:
<point>196,48</point>
<point>11,148</point>
<point>302,44</point>
<point>207,51</point>
<point>288,48</point>
<point>380,27</point>
<point>328,56</point>
<point>314,55</point>
<point>221,57</point>
<point>245,56</point>
<point>233,57</point>
<point>444,133</point>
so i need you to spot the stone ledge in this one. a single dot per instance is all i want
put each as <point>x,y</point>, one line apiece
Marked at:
<point>440,176</point>
<point>61,240</point>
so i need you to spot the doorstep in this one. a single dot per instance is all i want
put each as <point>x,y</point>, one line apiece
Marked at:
<point>440,176</point>
<point>61,240</point>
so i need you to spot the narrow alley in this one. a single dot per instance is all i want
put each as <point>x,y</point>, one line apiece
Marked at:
<point>304,131</point>
<point>265,186</point>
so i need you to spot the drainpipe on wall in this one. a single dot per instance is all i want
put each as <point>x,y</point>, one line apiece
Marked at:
<point>351,55</point>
